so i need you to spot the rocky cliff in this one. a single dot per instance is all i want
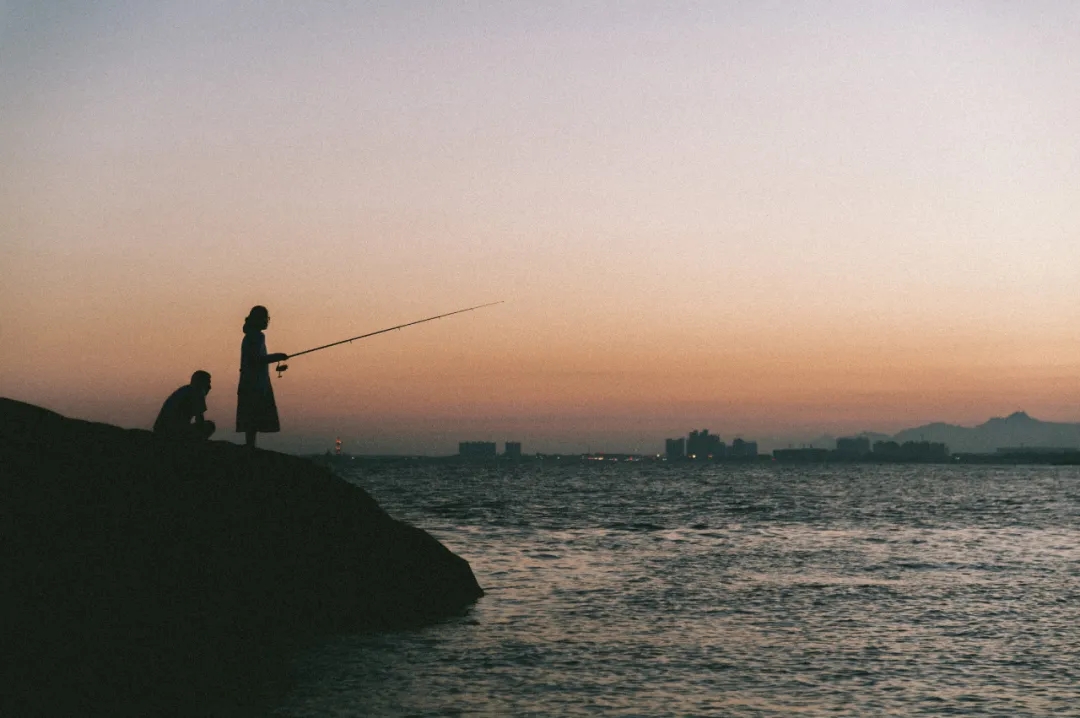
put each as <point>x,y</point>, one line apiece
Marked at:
<point>143,577</point>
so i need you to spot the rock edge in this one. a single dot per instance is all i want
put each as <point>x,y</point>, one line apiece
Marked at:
<point>147,577</point>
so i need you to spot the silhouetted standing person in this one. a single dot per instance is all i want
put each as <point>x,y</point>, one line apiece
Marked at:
<point>174,421</point>
<point>255,407</point>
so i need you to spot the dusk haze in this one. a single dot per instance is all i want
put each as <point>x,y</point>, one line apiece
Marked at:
<point>771,219</point>
<point>639,358</point>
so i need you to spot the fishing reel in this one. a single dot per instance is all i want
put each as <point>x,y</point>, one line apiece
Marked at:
<point>280,368</point>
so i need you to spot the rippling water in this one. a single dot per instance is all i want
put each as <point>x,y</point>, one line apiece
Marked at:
<point>679,590</point>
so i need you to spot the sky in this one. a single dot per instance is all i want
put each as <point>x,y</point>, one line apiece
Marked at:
<point>770,219</point>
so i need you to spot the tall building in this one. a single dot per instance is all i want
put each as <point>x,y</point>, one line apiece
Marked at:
<point>512,450</point>
<point>703,445</point>
<point>743,449</point>
<point>674,449</point>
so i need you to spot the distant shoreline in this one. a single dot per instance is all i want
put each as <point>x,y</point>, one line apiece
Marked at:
<point>827,457</point>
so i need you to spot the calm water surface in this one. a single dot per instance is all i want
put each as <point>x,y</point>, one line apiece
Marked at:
<point>656,590</point>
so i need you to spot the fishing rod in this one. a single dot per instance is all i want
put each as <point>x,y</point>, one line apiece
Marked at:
<point>282,367</point>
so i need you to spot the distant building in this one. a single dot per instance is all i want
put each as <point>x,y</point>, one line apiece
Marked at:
<point>1037,450</point>
<point>477,449</point>
<point>853,446</point>
<point>675,449</point>
<point>886,448</point>
<point>512,450</point>
<point>743,449</point>
<point>910,451</point>
<point>703,445</point>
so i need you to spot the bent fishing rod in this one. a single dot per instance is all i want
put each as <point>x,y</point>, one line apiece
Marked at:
<point>282,367</point>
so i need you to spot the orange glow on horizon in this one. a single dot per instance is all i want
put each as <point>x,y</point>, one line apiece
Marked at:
<point>761,220</point>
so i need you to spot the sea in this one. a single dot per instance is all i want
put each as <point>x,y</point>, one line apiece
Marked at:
<point>655,589</point>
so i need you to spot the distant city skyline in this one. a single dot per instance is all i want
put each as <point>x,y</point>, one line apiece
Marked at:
<point>1016,430</point>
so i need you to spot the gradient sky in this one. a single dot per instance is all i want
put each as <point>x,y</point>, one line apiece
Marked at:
<point>771,219</point>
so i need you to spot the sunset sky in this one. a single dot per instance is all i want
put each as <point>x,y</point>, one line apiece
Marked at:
<point>770,219</point>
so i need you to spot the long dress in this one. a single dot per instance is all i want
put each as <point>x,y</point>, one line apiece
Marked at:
<point>255,406</point>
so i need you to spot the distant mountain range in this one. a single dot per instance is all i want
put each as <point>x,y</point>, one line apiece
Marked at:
<point>1015,430</point>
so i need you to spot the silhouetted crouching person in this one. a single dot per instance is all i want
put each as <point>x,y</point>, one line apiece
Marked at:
<point>174,421</point>
<point>255,407</point>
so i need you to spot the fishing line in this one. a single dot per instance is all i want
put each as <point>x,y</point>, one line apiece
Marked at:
<point>282,367</point>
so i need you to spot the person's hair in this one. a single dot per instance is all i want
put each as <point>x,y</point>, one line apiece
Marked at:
<point>200,375</point>
<point>257,311</point>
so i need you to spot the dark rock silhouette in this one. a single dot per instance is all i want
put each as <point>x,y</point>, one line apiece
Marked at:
<point>146,577</point>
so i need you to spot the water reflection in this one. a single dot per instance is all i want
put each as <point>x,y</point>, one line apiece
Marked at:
<point>649,591</point>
